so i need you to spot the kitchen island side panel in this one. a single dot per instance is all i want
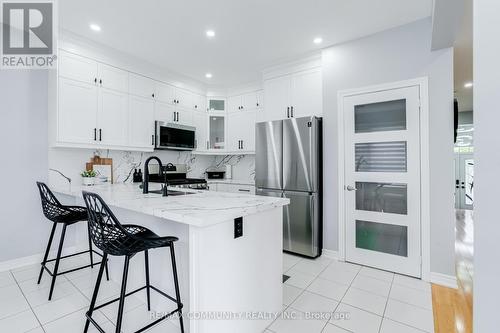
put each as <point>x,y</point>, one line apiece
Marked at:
<point>236,276</point>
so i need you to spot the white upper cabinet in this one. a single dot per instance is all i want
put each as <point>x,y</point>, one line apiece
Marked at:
<point>200,103</point>
<point>77,112</point>
<point>165,112</point>
<point>277,97</point>
<point>142,86</point>
<point>184,98</point>
<point>77,68</point>
<point>249,101</point>
<point>200,121</point>
<point>141,122</point>
<point>260,99</point>
<point>110,77</point>
<point>112,118</point>
<point>234,103</point>
<point>165,93</point>
<point>241,131</point>
<point>291,96</point>
<point>306,94</point>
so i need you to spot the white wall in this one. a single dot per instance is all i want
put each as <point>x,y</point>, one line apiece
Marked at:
<point>23,98</point>
<point>487,162</point>
<point>394,55</point>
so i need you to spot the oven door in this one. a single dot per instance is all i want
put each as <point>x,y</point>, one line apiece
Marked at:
<point>174,136</point>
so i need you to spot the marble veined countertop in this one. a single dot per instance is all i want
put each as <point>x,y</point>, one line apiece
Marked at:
<point>201,209</point>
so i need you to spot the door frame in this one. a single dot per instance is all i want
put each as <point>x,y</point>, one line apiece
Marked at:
<point>423,84</point>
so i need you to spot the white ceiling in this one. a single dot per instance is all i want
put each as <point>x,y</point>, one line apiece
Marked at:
<point>463,56</point>
<point>250,35</point>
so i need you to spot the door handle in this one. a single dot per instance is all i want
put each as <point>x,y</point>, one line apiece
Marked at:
<point>152,140</point>
<point>241,144</point>
<point>288,112</point>
<point>291,111</point>
<point>95,134</point>
<point>100,134</point>
<point>350,188</point>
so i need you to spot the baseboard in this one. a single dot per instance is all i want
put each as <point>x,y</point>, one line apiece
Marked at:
<point>331,254</point>
<point>445,280</point>
<point>31,260</point>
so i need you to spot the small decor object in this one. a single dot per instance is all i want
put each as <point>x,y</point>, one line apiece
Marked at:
<point>103,166</point>
<point>88,177</point>
<point>137,178</point>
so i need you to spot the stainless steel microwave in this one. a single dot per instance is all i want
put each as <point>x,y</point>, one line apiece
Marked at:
<point>174,136</point>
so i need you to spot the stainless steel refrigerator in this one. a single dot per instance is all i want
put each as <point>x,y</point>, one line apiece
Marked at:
<point>288,164</point>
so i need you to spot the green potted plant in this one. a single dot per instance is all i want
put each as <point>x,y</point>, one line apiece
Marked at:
<point>88,177</point>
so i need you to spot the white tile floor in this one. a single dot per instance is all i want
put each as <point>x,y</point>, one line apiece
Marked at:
<point>328,296</point>
<point>321,296</point>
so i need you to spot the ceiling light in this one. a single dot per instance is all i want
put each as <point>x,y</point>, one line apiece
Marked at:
<point>210,33</point>
<point>208,75</point>
<point>95,27</point>
<point>318,40</point>
<point>468,85</point>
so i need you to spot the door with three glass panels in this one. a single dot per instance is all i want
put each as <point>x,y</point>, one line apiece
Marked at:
<point>382,180</point>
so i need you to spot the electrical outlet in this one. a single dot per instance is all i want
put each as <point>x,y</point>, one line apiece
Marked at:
<point>238,227</point>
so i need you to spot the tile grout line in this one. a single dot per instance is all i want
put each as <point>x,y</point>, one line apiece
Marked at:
<point>386,302</point>
<point>27,302</point>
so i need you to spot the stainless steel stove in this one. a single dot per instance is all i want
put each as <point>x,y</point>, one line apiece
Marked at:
<point>177,178</point>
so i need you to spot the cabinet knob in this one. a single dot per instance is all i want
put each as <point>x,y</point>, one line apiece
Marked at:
<point>153,95</point>
<point>100,81</point>
<point>95,80</point>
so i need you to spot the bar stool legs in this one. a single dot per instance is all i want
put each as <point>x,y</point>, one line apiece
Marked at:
<point>56,267</point>
<point>122,295</point>
<point>176,284</point>
<point>148,285</point>
<point>46,256</point>
<point>58,258</point>
<point>94,294</point>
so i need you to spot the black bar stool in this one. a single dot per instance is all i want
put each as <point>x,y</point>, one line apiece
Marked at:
<point>65,215</point>
<point>126,240</point>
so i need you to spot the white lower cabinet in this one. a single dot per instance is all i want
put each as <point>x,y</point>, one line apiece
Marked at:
<point>77,112</point>
<point>232,188</point>
<point>112,118</point>
<point>141,122</point>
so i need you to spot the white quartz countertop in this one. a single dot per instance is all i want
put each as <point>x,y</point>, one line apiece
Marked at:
<point>231,181</point>
<point>201,209</point>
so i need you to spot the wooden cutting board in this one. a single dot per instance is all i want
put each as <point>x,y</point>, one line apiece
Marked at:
<point>97,160</point>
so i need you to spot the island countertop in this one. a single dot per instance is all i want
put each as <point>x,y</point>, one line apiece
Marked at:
<point>200,208</point>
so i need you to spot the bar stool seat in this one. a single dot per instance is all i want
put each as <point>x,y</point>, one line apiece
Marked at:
<point>117,239</point>
<point>59,214</point>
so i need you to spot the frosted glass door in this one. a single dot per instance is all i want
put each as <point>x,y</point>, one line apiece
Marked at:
<point>382,177</point>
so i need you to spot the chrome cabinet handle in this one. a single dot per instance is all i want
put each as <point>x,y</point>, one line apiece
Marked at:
<point>350,188</point>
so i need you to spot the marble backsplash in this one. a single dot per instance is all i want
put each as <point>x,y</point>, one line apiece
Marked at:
<point>71,162</point>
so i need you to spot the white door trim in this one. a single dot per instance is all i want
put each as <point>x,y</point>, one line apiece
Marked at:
<point>424,164</point>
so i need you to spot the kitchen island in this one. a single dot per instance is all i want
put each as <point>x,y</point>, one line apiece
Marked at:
<point>228,283</point>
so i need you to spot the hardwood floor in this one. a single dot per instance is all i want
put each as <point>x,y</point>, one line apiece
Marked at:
<point>453,307</point>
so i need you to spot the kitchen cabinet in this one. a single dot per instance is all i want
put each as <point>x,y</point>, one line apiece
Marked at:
<point>291,96</point>
<point>248,101</point>
<point>306,98</point>
<point>141,122</point>
<point>200,103</point>
<point>260,99</point>
<point>232,188</point>
<point>113,78</point>
<point>277,96</point>
<point>172,114</point>
<point>241,131</point>
<point>201,138</point>
<point>216,104</point>
<point>142,86</point>
<point>75,67</point>
<point>165,93</point>
<point>112,118</point>
<point>77,111</point>
<point>216,131</point>
<point>184,98</point>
